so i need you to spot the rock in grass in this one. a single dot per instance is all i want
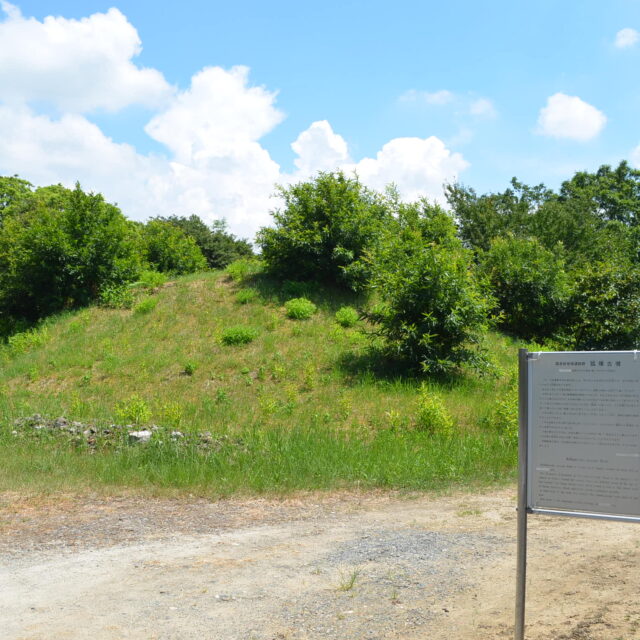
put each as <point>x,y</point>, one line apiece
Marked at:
<point>136,437</point>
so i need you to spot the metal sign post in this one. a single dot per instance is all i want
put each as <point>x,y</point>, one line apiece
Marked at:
<point>579,442</point>
<point>523,420</point>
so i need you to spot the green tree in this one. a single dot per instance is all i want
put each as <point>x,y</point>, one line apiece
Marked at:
<point>219,247</point>
<point>612,194</point>
<point>432,310</point>
<point>530,285</point>
<point>56,257</point>
<point>323,230</point>
<point>169,249</point>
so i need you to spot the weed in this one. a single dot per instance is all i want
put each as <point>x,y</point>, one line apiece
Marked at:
<point>27,340</point>
<point>432,415</point>
<point>299,308</point>
<point>189,368</point>
<point>221,396</point>
<point>243,269</point>
<point>172,414</point>
<point>346,317</point>
<point>146,306</point>
<point>348,579</point>
<point>309,377</point>
<point>117,297</point>
<point>238,335</point>
<point>151,279</point>
<point>134,411</point>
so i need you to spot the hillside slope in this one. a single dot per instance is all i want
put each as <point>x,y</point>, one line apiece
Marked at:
<point>304,398</point>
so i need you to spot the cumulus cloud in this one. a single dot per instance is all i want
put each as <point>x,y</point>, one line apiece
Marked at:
<point>417,166</point>
<point>318,148</point>
<point>626,38</point>
<point>441,97</point>
<point>77,65</point>
<point>214,166</point>
<point>570,117</point>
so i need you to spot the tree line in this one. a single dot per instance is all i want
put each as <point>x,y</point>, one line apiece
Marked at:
<point>558,267</point>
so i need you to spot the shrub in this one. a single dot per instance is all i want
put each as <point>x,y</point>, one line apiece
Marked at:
<point>218,246</point>
<point>238,335</point>
<point>146,306</point>
<point>150,279</point>
<point>243,269</point>
<point>432,416</point>
<point>346,317</point>
<point>117,296</point>
<point>433,310</point>
<point>169,250</point>
<point>605,307</point>
<point>61,251</point>
<point>299,308</point>
<point>530,285</point>
<point>244,296</point>
<point>25,340</point>
<point>322,232</point>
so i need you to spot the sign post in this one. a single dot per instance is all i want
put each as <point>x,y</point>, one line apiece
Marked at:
<point>579,442</point>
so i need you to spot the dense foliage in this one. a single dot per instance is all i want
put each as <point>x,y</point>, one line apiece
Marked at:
<point>58,249</point>
<point>432,308</point>
<point>323,230</point>
<point>169,249</point>
<point>219,247</point>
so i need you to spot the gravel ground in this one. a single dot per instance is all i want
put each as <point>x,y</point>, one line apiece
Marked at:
<point>329,567</point>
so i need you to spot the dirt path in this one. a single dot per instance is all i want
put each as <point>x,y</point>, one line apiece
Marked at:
<point>319,567</point>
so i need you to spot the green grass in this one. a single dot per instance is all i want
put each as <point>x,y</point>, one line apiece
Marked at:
<point>303,406</point>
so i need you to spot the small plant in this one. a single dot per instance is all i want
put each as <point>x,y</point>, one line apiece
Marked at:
<point>238,335</point>
<point>346,317</point>
<point>25,340</point>
<point>243,269</point>
<point>134,411</point>
<point>299,308</point>
<point>189,368</point>
<point>172,414</point>
<point>117,297</point>
<point>348,579</point>
<point>150,279</point>
<point>244,296</point>
<point>503,416</point>
<point>146,306</point>
<point>221,396</point>
<point>432,415</point>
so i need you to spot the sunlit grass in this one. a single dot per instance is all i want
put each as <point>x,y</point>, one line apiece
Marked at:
<point>310,405</point>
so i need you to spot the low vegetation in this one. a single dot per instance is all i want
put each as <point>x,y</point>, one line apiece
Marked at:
<point>372,344</point>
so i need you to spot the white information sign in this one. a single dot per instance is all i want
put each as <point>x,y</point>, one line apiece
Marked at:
<point>583,451</point>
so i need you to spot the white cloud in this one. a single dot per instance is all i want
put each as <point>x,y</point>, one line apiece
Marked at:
<point>218,114</point>
<point>570,117</point>
<point>626,38</point>
<point>319,149</point>
<point>417,166</point>
<point>439,98</point>
<point>215,165</point>
<point>77,65</point>
<point>482,108</point>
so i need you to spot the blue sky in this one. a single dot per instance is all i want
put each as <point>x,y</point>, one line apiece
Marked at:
<point>417,93</point>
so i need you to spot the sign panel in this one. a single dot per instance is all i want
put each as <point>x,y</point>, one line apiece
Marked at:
<point>584,432</point>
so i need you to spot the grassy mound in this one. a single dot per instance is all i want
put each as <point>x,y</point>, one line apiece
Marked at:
<point>300,406</point>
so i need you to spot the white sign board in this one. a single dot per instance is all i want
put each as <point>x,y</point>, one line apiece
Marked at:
<point>583,451</point>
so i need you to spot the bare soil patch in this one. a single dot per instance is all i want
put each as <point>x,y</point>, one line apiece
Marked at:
<point>338,566</point>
